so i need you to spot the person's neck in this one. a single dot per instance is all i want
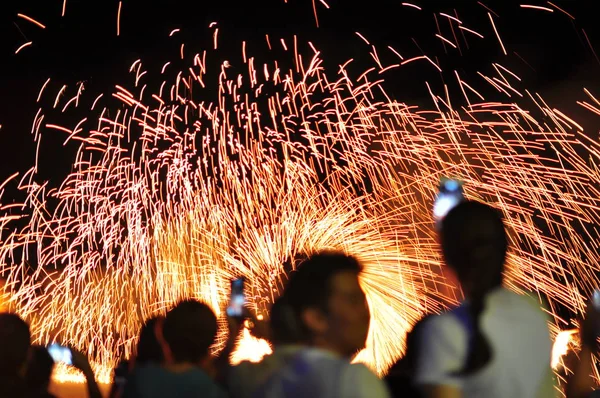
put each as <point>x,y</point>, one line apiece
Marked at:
<point>180,367</point>
<point>329,347</point>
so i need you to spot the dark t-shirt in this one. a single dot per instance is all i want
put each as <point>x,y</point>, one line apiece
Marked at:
<point>153,381</point>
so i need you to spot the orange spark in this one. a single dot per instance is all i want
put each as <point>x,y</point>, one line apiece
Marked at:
<point>31,20</point>
<point>119,18</point>
<point>497,35</point>
<point>411,5</point>
<point>471,31</point>
<point>563,11</point>
<point>537,7</point>
<point>23,46</point>
<point>446,40</point>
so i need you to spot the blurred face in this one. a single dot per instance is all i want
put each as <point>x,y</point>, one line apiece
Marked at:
<point>348,317</point>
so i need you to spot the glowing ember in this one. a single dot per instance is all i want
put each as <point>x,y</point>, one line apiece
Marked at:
<point>561,346</point>
<point>250,349</point>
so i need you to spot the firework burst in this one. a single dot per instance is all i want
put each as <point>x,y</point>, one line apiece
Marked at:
<point>178,187</point>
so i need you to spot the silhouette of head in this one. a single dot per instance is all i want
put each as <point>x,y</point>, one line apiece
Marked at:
<point>15,342</point>
<point>328,302</point>
<point>190,329</point>
<point>39,369</point>
<point>474,245</point>
<point>283,324</point>
<point>148,347</point>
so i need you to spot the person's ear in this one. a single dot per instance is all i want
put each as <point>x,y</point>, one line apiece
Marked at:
<point>315,320</point>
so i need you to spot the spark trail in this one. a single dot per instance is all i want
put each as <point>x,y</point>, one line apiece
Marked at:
<point>177,187</point>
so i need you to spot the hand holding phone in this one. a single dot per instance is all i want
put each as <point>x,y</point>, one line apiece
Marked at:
<point>449,196</point>
<point>60,353</point>
<point>237,300</point>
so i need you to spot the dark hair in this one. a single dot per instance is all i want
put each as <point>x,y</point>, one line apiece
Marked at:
<point>283,324</point>
<point>310,285</point>
<point>474,244</point>
<point>190,330</point>
<point>148,346</point>
<point>15,341</point>
<point>39,369</point>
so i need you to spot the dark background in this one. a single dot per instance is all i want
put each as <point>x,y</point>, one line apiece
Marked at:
<point>83,46</point>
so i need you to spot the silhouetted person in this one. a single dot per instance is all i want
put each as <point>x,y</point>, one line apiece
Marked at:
<point>246,377</point>
<point>39,372</point>
<point>148,351</point>
<point>582,383</point>
<point>331,316</point>
<point>495,344</point>
<point>400,377</point>
<point>15,342</point>
<point>189,330</point>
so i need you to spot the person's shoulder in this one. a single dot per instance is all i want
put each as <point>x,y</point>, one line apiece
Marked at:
<point>360,370</point>
<point>524,302</point>
<point>447,323</point>
<point>200,381</point>
<point>243,367</point>
<point>363,382</point>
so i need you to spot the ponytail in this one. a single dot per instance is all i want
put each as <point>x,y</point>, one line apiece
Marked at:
<point>479,351</point>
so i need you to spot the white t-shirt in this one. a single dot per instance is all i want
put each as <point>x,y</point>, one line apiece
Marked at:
<point>516,329</point>
<point>316,373</point>
<point>246,377</point>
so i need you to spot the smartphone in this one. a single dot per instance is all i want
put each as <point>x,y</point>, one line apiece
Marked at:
<point>60,353</point>
<point>596,300</point>
<point>237,300</point>
<point>449,195</point>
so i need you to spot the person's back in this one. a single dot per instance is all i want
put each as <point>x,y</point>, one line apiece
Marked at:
<point>15,342</point>
<point>246,377</point>
<point>517,331</point>
<point>153,381</point>
<point>188,332</point>
<point>317,373</point>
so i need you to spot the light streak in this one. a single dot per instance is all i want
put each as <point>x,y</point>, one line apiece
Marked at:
<point>119,18</point>
<point>422,57</point>
<point>497,35</point>
<point>537,7</point>
<point>363,38</point>
<point>451,17</point>
<point>42,90</point>
<point>471,31</point>
<point>23,46</point>
<point>446,40</point>
<point>411,5</point>
<point>32,20</point>
<point>562,10</point>
<point>591,47</point>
